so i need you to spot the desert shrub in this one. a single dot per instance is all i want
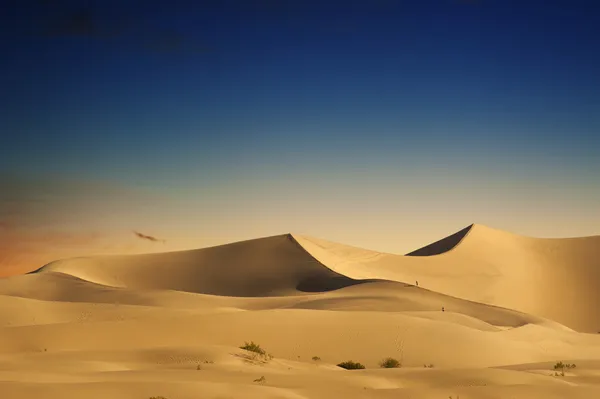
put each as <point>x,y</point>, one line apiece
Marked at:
<point>389,363</point>
<point>252,347</point>
<point>560,366</point>
<point>316,358</point>
<point>350,365</point>
<point>428,366</point>
<point>256,351</point>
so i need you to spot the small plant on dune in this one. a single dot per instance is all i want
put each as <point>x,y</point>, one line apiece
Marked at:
<point>560,366</point>
<point>157,397</point>
<point>252,347</point>
<point>316,358</point>
<point>428,366</point>
<point>256,351</point>
<point>261,380</point>
<point>389,363</point>
<point>350,365</point>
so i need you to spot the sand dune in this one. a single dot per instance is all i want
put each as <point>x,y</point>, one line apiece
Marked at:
<point>269,266</point>
<point>170,324</point>
<point>554,278</point>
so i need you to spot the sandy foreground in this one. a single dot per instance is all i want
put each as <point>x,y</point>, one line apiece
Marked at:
<point>170,325</point>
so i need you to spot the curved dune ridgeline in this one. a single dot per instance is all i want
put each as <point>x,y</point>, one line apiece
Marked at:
<point>491,315</point>
<point>271,266</point>
<point>443,245</point>
<point>556,279</point>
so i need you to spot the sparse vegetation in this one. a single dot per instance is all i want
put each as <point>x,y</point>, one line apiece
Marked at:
<point>252,347</point>
<point>350,365</point>
<point>316,358</point>
<point>389,363</point>
<point>560,367</point>
<point>261,380</point>
<point>428,366</point>
<point>256,350</point>
<point>157,397</point>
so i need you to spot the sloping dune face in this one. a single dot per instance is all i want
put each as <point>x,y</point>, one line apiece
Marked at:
<point>443,245</point>
<point>263,267</point>
<point>171,325</point>
<point>557,279</point>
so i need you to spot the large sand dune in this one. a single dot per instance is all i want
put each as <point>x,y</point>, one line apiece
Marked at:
<point>272,266</point>
<point>141,326</point>
<point>554,278</point>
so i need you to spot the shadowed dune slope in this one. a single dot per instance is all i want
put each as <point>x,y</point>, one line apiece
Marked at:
<point>558,279</point>
<point>443,245</point>
<point>52,297</point>
<point>171,325</point>
<point>269,266</point>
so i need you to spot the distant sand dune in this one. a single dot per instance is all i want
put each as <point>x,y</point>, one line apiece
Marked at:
<point>558,279</point>
<point>269,266</point>
<point>492,313</point>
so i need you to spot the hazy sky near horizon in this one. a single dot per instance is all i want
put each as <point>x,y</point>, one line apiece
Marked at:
<point>382,124</point>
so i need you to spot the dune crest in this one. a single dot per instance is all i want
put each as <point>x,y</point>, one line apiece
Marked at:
<point>477,263</point>
<point>271,266</point>
<point>553,278</point>
<point>488,313</point>
<point>444,245</point>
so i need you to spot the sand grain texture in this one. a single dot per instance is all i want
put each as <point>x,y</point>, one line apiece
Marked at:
<point>171,324</point>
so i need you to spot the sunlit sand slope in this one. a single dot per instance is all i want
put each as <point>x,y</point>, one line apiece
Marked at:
<point>487,319</point>
<point>557,279</point>
<point>262,267</point>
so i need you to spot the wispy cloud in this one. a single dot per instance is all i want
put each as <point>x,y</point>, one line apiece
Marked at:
<point>43,219</point>
<point>148,237</point>
<point>24,248</point>
<point>126,25</point>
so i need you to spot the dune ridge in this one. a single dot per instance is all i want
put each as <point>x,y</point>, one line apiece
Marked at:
<point>554,278</point>
<point>270,266</point>
<point>480,308</point>
<point>444,245</point>
<point>477,263</point>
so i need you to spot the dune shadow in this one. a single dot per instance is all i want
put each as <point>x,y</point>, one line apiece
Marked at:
<point>326,284</point>
<point>443,245</point>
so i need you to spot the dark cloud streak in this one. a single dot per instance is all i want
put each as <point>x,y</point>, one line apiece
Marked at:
<point>112,22</point>
<point>148,237</point>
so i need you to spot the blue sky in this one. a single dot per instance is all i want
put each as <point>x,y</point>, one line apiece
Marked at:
<point>258,99</point>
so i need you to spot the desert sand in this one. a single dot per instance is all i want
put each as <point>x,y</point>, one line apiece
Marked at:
<point>171,324</point>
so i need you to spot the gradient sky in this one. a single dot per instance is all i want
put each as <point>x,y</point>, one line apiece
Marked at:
<point>383,124</point>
